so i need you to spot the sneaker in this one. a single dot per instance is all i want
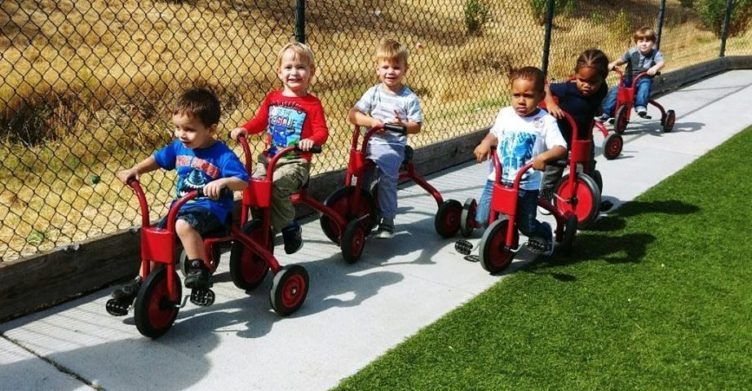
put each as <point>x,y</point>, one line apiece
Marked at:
<point>602,118</point>
<point>127,291</point>
<point>293,237</point>
<point>198,277</point>
<point>543,246</point>
<point>642,112</point>
<point>385,230</point>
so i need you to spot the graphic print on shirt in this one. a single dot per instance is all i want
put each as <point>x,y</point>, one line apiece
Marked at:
<point>285,126</point>
<point>515,149</point>
<point>193,174</point>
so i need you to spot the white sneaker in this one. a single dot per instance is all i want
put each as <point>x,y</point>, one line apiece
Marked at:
<point>386,229</point>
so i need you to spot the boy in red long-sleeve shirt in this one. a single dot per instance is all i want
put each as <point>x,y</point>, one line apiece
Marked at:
<point>291,116</point>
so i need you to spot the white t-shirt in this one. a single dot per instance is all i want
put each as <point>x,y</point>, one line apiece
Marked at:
<point>520,140</point>
<point>381,103</point>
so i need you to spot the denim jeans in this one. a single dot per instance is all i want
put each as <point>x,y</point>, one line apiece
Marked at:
<point>202,220</point>
<point>642,95</point>
<point>527,207</point>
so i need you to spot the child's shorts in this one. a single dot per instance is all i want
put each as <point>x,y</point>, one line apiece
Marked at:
<point>202,220</point>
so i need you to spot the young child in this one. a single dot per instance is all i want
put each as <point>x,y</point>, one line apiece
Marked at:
<point>641,58</point>
<point>200,162</point>
<point>292,116</point>
<point>581,98</point>
<point>523,133</point>
<point>388,102</point>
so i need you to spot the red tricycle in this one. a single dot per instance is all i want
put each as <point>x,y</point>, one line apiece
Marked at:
<point>159,297</point>
<point>350,235</point>
<point>357,202</point>
<point>500,241</point>
<point>625,97</point>
<point>579,191</point>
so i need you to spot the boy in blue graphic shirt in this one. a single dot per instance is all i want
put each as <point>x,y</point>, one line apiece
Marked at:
<point>523,133</point>
<point>201,162</point>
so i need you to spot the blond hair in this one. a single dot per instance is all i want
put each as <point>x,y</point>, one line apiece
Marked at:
<point>302,52</point>
<point>391,50</point>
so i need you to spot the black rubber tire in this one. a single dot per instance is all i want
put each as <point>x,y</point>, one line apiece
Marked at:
<point>289,289</point>
<point>570,232</point>
<point>338,200</point>
<point>494,257</point>
<point>612,146</point>
<point>248,270</point>
<point>353,242</point>
<point>587,195</point>
<point>620,119</point>
<point>447,221</point>
<point>598,178</point>
<point>467,217</point>
<point>153,312</point>
<point>668,123</point>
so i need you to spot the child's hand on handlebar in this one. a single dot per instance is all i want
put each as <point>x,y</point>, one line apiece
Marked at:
<point>305,144</point>
<point>126,175</point>
<point>213,189</point>
<point>538,163</point>
<point>237,132</point>
<point>555,110</point>
<point>376,123</point>
<point>481,152</point>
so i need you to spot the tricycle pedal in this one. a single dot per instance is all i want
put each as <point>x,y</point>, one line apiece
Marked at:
<point>202,297</point>
<point>463,247</point>
<point>116,307</point>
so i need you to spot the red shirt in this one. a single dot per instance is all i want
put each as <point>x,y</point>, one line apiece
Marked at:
<point>289,119</point>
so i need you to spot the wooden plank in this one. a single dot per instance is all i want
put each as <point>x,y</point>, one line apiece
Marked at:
<point>60,275</point>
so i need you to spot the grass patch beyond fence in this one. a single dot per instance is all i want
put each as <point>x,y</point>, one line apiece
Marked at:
<point>656,296</point>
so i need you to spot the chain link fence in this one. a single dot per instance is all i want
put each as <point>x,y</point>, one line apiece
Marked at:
<point>85,85</point>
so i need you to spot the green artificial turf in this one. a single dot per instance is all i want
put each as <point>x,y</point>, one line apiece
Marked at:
<point>658,295</point>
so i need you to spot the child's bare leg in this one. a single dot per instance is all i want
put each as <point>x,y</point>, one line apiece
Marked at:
<point>193,244</point>
<point>198,276</point>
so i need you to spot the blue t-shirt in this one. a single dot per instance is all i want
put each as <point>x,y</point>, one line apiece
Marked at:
<point>197,167</point>
<point>581,108</point>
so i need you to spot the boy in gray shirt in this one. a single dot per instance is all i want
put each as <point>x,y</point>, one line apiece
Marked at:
<point>388,102</point>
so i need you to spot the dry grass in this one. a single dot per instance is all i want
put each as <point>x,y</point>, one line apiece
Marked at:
<point>94,78</point>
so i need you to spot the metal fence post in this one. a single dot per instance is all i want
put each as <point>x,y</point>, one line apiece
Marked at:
<point>726,21</point>
<point>547,39</point>
<point>661,17</point>
<point>300,21</point>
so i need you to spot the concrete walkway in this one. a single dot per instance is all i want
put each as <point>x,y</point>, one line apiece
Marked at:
<point>353,313</point>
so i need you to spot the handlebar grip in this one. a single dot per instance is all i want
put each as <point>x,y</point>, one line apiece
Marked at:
<point>561,163</point>
<point>225,192</point>
<point>394,128</point>
<point>316,149</point>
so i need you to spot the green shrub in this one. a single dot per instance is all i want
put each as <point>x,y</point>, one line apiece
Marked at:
<point>476,14</point>
<point>540,7</point>
<point>712,13</point>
